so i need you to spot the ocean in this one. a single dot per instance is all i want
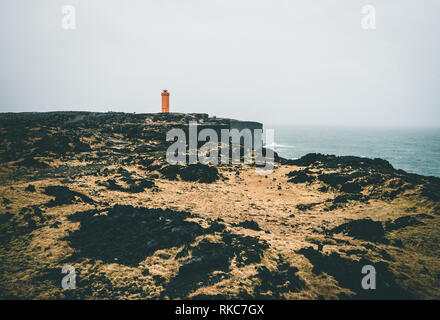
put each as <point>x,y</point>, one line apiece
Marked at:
<point>414,150</point>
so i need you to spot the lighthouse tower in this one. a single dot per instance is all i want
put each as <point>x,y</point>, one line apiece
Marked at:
<point>165,101</point>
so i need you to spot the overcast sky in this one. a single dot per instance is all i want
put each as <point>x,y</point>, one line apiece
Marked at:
<point>275,61</point>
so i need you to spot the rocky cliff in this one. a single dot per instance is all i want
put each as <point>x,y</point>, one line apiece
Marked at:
<point>93,190</point>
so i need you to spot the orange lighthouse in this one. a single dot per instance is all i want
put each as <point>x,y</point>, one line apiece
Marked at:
<point>165,101</point>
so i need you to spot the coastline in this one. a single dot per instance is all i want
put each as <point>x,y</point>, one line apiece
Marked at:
<point>413,149</point>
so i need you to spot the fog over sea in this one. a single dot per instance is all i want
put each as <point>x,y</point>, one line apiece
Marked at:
<point>415,150</point>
